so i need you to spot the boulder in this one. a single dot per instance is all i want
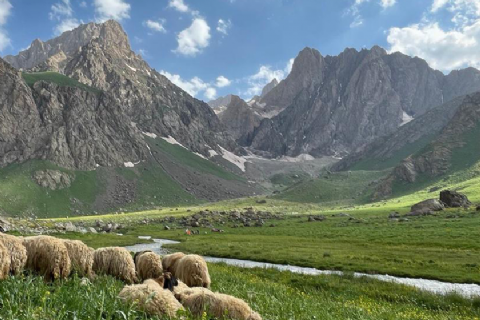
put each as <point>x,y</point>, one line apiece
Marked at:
<point>420,213</point>
<point>428,205</point>
<point>453,199</point>
<point>394,215</point>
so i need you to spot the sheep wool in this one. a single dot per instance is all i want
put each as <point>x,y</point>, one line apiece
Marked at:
<point>193,271</point>
<point>17,251</point>
<point>170,261</point>
<point>81,257</point>
<point>48,256</point>
<point>5,261</point>
<point>219,305</point>
<point>115,261</point>
<point>148,265</point>
<point>180,287</point>
<point>152,299</point>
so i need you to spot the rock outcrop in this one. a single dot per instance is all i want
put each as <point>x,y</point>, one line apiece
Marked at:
<point>428,205</point>
<point>53,179</point>
<point>453,199</point>
<point>338,105</point>
<point>239,118</point>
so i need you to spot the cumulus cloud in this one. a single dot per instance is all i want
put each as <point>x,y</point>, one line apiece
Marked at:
<point>223,26</point>
<point>194,86</point>
<point>443,48</point>
<point>223,82</point>
<point>178,5</point>
<point>387,3</point>
<point>354,10</point>
<point>264,76</point>
<point>194,39</point>
<point>155,25</point>
<point>66,25</point>
<point>5,10</point>
<point>111,9</point>
<point>63,13</point>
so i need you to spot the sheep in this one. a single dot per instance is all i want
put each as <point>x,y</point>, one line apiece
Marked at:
<point>5,261</point>
<point>115,261</point>
<point>18,253</point>
<point>180,287</point>
<point>218,305</point>
<point>169,281</point>
<point>48,256</point>
<point>152,299</point>
<point>148,265</point>
<point>192,269</point>
<point>170,261</point>
<point>81,257</point>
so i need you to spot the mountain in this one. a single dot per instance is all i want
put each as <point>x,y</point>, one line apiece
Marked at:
<point>219,105</point>
<point>336,105</point>
<point>102,131</point>
<point>239,118</point>
<point>454,149</point>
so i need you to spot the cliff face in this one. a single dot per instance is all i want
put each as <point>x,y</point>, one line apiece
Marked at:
<point>337,105</point>
<point>239,118</point>
<point>99,55</point>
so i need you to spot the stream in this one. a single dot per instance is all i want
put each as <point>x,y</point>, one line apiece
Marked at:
<point>434,286</point>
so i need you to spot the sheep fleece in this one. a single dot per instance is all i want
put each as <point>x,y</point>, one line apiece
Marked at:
<point>18,253</point>
<point>219,305</point>
<point>170,262</point>
<point>81,257</point>
<point>152,299</point>
<point>115,261</point>
<point>4,261</point>
<point>149,266</point>
<point>48,256</point>
<point>192,269</point>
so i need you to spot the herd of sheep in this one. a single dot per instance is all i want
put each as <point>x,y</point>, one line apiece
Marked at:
<point>160,287</point>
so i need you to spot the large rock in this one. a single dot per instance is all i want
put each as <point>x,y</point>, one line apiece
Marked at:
<point>428,205</point>
<point>53,179</point>
<point>453,199</point>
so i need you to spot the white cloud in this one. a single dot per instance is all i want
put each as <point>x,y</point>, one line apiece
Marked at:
<point>111,9</point>
<point>194,39</point>
<point>223,26</point>
<point>210,93</point>
<point>60,10</point>
<point>5,10</point>
<point>354,10</point>
<point>264,76</point>
<point>387,3</point>
<point>178,5</point>
<point>66,25</point>
<point>443,48</point>
<point>156,25</point>
<point>223,82</point>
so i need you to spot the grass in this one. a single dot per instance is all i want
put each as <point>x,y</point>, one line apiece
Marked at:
<point>57,78</point>
<point>275,295</point>
<point>338,188</point>
<point>190,159</point>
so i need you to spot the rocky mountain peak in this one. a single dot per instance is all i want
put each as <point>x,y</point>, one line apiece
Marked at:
<point>269,87</point>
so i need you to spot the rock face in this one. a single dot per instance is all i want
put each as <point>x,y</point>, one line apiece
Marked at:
<point>79,129</point>
<point>69,126</point>
<point>338,105</point>
<point>239,118</point>
<point>219,105</point>
<point>453,199</point>
<point>428,205</point>
<point>53,179</point>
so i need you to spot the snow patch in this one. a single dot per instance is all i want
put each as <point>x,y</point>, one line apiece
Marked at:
<point>172,140</point>
<point>130,164</point>
<point>233,158</point>
<point>133,69</point>
<point>300,158</point>
<point>149,134</point>
<point>200,155</point>
<point>212,153</point>
<point>406,118</point>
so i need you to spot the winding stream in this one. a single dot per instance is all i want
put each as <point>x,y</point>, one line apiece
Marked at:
<point>434,286</point>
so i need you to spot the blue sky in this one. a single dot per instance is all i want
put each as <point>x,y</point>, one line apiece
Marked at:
<point>215,47</point>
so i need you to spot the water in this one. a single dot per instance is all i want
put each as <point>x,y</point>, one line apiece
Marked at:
<point>434,286</point>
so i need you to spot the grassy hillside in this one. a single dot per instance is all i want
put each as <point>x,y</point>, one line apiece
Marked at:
<point>338,188</point>
<point>57,78</point>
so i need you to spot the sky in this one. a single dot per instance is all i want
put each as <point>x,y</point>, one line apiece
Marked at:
<point>211,48</point>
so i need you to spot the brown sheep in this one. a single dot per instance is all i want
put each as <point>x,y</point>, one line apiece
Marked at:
<point>48,256</point>
<point>193,271</point>
<point>5,261</point>
<point>152,299</point>
<point>218,305</point>
<point>18,253</point>
<point>115,261</point>
<point>148,265</point>
<point>170,261</point>
<point>81,257</point>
